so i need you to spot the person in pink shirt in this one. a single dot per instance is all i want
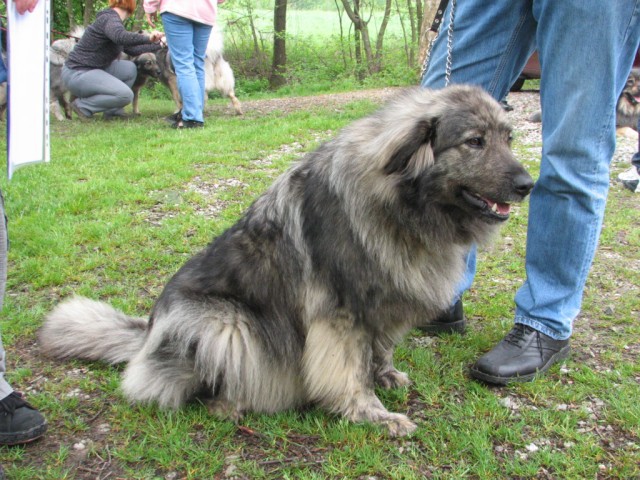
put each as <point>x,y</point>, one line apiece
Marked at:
<point>187,26</point>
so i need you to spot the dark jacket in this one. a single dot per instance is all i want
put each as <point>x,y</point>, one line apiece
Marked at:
<point>104,40</point>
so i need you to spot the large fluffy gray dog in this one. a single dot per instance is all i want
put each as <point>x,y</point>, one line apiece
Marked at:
<point>303,300</point>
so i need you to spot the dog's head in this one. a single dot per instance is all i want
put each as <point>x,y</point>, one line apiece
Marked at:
<point>147,65</point>
<point>450,149</point>
<point>629,101</point>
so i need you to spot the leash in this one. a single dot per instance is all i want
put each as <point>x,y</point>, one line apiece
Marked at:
<point>435,31</point>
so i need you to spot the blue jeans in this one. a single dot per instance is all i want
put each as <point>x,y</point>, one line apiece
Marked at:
<point>187,41</point>
<point>586,49</point>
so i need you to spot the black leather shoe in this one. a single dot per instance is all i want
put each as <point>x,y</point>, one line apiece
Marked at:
<point>19,421</point>
<point>450,321</point>
<point>519,357</point>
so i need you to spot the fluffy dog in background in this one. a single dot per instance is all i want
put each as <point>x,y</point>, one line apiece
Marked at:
<point>304,298</point>
<point>218,74</point>
<point>628,108</point>
<point>58,53</point>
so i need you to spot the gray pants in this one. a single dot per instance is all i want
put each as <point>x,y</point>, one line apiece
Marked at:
<point>5,388</point>
<point>105,90</point>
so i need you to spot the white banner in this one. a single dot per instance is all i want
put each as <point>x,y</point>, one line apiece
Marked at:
<point>28,88</point>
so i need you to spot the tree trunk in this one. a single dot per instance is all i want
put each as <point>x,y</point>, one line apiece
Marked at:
<point>361,34</point>
<point>70,15</point>
<point>380,39</point>
<point>139,18</point>
<point>277,78</point>
<point>89,12</point>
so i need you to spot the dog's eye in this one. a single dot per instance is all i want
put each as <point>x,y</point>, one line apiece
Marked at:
<point>475,142</point>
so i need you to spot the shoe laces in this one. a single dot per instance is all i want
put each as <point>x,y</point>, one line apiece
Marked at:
<point>11,402</point>
<point>518,334</point>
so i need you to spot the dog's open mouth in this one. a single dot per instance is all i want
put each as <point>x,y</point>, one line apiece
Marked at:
<point>487,207</point>
<point>632,99</point>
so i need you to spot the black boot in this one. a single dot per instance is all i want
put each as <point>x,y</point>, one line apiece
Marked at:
<point>450,321</point>
<point>519,357</point>
<point>19,421</point>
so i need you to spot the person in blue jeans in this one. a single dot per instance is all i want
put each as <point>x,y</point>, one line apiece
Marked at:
<point>489,45</point>
<point>19,421</point>
<point>187,26</point>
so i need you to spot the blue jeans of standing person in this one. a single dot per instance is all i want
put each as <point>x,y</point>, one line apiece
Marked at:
<point>586,49</point>
<point>107,90</point>
<point>187,41</point>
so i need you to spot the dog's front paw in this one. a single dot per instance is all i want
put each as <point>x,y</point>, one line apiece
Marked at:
<point>399,425</point>
<point>223,410</point>
<point>392,379</point>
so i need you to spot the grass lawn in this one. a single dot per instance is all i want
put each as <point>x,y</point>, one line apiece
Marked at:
<point>121,207</point>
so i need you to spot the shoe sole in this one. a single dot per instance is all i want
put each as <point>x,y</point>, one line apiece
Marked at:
<point>560,355</point>
<point>23,437</point>
<point>450,327</point>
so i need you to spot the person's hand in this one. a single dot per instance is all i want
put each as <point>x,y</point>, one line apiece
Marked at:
<point>24,6</point>
<point>152,18</point>
<point>156,36</point>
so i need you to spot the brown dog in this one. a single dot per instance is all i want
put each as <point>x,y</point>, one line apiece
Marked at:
<point>147,65</point>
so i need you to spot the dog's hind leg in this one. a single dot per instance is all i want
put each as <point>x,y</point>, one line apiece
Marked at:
<point>134,104</point>
<point>159,376</point>
<point>338,374</point>
<point>175,92</point>
<point>236,103</point>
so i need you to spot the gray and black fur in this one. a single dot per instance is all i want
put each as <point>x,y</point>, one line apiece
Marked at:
<point>304,298</point>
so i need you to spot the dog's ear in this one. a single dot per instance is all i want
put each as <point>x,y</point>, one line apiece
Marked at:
<point>416,153</point>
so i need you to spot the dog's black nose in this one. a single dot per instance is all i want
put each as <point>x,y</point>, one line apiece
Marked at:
<point>523,183</point>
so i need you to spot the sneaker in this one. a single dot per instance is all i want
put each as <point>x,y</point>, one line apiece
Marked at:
<point>630,179</point>
<point>519,357</point>
<point>174,117</point>
<point>81,113</point>
<point>180,124</point>
<point>19,421</point>
<point>450,321</point>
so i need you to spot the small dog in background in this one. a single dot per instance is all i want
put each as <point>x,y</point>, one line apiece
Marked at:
<point>147,65</point>
<point>58,53</point>
<point>218,73</point>
<point>628,107</point>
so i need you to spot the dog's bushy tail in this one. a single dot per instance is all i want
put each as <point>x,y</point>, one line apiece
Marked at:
<point>90,330</point>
